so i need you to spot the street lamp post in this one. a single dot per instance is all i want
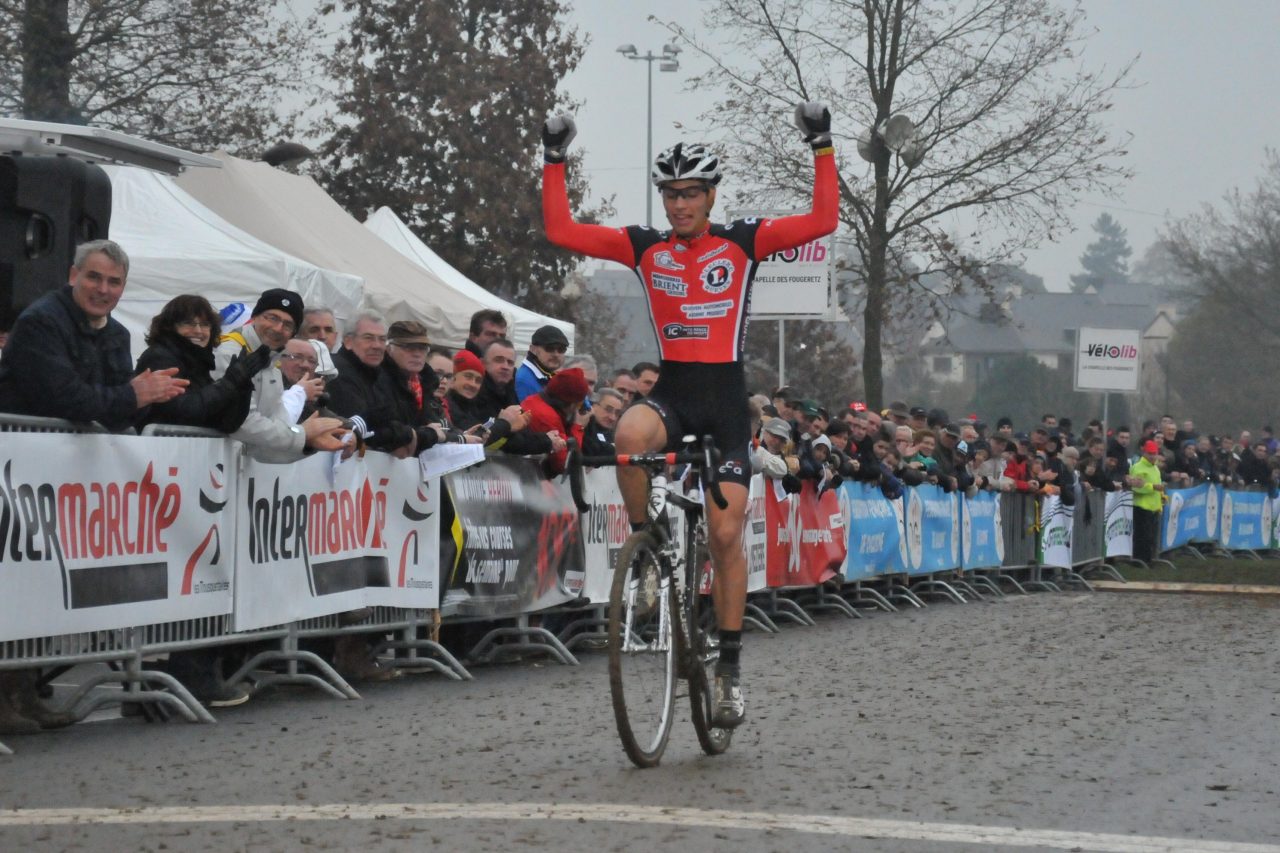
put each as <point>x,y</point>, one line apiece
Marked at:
<point>667,61</point>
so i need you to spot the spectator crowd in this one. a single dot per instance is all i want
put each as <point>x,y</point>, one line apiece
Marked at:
<point>287,384</point>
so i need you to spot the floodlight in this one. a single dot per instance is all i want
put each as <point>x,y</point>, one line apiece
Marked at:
<point>912,153</point>
<point>865,151</point>
<point>627,50</point>
<point>896,131</point>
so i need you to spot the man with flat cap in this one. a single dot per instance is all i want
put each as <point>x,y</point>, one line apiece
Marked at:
<point>546,356</point>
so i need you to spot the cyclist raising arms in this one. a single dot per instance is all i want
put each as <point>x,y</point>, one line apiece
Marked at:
<point>697,279</point>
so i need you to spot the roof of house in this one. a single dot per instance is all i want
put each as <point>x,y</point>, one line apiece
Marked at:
<point>1042,323</point>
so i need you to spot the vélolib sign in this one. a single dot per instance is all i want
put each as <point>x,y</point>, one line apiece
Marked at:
<point>1108,359</point>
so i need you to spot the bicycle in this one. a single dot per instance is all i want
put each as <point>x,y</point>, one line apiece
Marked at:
<point>656,634</point>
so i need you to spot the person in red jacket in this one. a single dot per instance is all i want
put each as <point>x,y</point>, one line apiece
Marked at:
<point>556,410</point>
<point>697,279</point>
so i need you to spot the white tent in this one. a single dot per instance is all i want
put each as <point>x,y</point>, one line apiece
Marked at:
<point>294,214</point>
<point>177,245</point>
<point>523,322</point>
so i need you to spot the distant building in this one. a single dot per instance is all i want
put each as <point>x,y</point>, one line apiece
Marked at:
<point>1043,325</point>
<point>635,335</point>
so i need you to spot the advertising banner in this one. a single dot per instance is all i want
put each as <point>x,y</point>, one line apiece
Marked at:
<point>807,539</point>
<point>1246,520</point>
<point>874,523</point>
<point>755,538</point>
<point>514,540</point>
<point>933,530</point>
<point>1185,516</point>
<point>1119,520</point>
<point>605,527</point>
<point>1275,522</point>
<point>1056,520</point>
<point>315,539</point>
<point>1107,359</point>
<point>981,531</point>
<point>104,531</point>
<point>794,283</point>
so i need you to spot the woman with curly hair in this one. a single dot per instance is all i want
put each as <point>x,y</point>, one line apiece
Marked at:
<point>183,335</point>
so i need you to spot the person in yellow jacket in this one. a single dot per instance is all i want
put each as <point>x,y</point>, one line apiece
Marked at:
<point>1148,496</point>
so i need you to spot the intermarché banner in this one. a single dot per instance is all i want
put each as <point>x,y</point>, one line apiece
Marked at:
<point>102,531</point>
<point>316,539</point>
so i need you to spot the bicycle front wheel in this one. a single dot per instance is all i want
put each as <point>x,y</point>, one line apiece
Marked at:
<point>702,654</point>
<point>642,650</point>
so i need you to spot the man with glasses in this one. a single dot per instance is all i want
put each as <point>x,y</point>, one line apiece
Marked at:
<point>303,387</point>
<point>269,432</point>
<point>366,393</point>
<point>546,355</point>
<point>697,279</point>
<point>606,408</point>
<point>408,347</point>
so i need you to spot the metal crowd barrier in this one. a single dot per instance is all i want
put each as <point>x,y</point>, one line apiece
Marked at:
<point>414,642</point>
<point>125,651</point>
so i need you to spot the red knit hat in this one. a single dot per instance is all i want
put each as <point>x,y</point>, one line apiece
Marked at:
<point>569,386</point>
<point>467,360</point>
<point>1150,447</point>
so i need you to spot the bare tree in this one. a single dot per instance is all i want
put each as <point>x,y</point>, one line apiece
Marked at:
<point>1231,256</point>
<point>194,73</point>
<point>1008,127</point>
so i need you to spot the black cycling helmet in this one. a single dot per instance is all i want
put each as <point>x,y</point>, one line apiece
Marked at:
<point>686,163</point>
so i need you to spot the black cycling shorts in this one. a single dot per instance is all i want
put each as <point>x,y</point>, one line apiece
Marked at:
<point>706,399</point>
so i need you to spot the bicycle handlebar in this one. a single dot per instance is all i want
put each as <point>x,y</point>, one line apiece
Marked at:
<point>704,458</point>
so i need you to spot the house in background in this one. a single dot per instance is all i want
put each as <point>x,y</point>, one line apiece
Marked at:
<point>1043,325</point>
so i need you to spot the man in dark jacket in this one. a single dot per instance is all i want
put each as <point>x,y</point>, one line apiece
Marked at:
<point>1253,469</point>
<point>1118,449</point>
<point>366,393</point>
<point>597,435</point>
<point>68,358</point>
<point>499,388</point>
<point>487,326</point>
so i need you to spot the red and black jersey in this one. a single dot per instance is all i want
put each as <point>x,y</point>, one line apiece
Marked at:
<point>699,289</point>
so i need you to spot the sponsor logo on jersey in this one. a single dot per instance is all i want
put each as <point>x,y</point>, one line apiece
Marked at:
<point>707,310</point>
<point>668,284</point>
<point>717,276</point>
<point>679,331</point>
<point>709,255</point>
<point>667,261</point>
<point>730,466</point>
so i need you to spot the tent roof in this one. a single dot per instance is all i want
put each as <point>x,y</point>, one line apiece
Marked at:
<point>523,322</point>
<point>176,245</point>
<point>293,213</point>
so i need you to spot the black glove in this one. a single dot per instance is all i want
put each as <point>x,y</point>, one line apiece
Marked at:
<point>557,132</point>
<point>814,121</point>
<point>791,484</point>
<point>427,437</point>
<point>243,368</point>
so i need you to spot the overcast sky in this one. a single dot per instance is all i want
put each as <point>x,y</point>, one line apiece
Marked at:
<point>1201,114</point>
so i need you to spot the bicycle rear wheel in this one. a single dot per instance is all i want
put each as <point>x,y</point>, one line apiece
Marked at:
<point>642,650</point>
<point>701,654</point>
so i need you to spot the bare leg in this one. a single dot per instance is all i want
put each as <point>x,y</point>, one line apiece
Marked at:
<point>724,529</point>
<point>639,431</point>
